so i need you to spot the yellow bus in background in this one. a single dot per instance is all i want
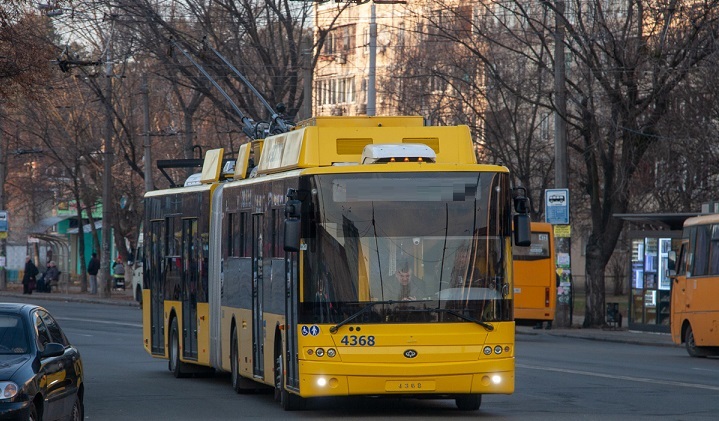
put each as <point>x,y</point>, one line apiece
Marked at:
<point>535,282</point>
<point>695,287</point>
<point>292,275</point>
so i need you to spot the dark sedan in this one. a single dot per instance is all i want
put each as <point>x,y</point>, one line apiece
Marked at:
<point>41,375</point>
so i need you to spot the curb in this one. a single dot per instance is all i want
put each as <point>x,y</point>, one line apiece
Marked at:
<point>72,298</point>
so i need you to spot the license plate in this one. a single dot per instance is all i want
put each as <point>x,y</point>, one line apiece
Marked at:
<point>409,386</point>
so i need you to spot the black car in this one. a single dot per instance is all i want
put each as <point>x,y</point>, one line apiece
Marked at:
<point>41,375</point>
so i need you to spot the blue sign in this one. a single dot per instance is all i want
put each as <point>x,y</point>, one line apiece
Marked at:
<point>3,221</point>
<point>556,209</point>
<point>305,331</point>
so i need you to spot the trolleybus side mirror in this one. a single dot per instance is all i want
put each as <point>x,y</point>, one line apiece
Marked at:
<point>671,263</point>
<point>292,235</point>
<point>522,231</point>
<point>292,224</point>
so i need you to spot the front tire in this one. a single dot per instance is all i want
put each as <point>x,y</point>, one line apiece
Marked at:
<point>289,401</point>
<point>692,349</point>
<point>174,364</point>
<point>33,413</point>
<point>78,411</point>
<point>468,402</point>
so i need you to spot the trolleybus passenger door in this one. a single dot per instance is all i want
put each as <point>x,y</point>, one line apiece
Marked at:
<point>189,288</point>
<point>291,303</point>
<point>258,340</point>
<point>153,271</point>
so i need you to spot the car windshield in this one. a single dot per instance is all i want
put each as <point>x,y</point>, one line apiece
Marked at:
<point>13,337</point>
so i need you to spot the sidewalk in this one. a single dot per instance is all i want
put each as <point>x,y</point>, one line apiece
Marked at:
<point>73,294</point>
<point>622,335</point>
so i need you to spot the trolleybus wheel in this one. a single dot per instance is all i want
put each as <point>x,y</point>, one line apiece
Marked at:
<point>175,365</point>
<point>239,383</point>
<point>289,401</point>
<point>692,348</point>
<point>468,402</point>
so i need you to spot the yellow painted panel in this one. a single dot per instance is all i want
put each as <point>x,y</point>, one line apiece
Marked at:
<point>203,334</point>
<point>212,167</point>
<point>243,156</point>
<point>146,330</point>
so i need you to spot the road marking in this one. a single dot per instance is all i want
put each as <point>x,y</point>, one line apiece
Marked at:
<point>628,378</point>
<point>99,321</point>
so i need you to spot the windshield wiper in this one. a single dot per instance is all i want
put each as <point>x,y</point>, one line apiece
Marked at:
<point>485,325</point>
<point>334,328</point>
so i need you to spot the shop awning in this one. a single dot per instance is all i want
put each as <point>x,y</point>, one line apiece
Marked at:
<point>671,221</point>
<point>46,223</point>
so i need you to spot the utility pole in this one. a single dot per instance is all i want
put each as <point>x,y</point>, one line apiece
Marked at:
<point>149,186</point>
<point>105,281</point>
<point>3,239</point>
<point>307,82</point>
<point>563,244</point>
<point>371,92</point>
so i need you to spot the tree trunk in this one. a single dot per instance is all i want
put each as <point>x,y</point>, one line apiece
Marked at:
<point>594,310</point>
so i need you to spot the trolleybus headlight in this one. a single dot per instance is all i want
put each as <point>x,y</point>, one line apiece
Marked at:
<point>498,349</point>
<point>321,382</point>
<point>320,352</point>
<point>506,348</point>
<point>496,379</point>
<point>331,352</point>
<point>310,351</point>
<point>487,350</point>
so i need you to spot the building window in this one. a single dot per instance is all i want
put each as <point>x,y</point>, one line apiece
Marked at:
<point>332,91</point>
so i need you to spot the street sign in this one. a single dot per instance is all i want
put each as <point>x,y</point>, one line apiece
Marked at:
<point>556,209</point>
<point>3,221</point>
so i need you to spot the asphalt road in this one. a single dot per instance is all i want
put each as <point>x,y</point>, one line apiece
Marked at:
<point>557,378</point>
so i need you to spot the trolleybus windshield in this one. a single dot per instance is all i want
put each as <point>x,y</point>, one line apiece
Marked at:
<point>422,247</point>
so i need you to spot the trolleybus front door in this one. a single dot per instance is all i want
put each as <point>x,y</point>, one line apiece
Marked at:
<point>292,299</point>
<point>258,341</point>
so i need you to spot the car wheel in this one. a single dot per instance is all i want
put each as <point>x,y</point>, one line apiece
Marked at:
<point>175,365</point>
<point>77,413</point>
<point>289,401</point>
<point>692,348</point>
<point>469,402</point>
<point>33,413</point>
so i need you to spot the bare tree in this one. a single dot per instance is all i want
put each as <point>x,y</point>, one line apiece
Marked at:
<point>627,63</point>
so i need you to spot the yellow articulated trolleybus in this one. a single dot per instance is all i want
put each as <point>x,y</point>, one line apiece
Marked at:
<point>362,256</point>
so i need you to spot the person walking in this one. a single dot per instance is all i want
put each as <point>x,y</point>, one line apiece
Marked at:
<point>93,267</point>
<point>28,278</point>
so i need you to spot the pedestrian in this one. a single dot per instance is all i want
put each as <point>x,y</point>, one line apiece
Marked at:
<point>28,278</point>
<point>93,267</point>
